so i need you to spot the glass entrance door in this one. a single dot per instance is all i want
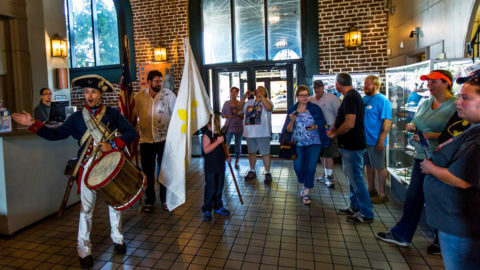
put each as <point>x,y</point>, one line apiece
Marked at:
<point>223,81</point>
<point>228,79</point>
<point>279,83</point>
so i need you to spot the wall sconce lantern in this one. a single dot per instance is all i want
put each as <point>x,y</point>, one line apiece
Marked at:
<point>59,46</point>
<point>160,54</point>
<point>353,38</point>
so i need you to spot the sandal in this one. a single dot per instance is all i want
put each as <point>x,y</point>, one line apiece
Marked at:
<point>307,200</point>
<point>165,207</point>
<point>147,208</point>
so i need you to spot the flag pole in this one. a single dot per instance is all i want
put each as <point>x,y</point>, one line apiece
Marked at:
<point>227,154</point>
<point>215,123</point>
<point>127,98</point>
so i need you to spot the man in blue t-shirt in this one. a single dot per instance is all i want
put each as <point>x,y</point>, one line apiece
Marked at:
<point>378,119</point>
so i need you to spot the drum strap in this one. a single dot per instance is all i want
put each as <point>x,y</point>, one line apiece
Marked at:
<point>94,126</point>
<point>82,156</point>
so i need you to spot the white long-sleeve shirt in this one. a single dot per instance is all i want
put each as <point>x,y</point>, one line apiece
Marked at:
<point>154,114</point>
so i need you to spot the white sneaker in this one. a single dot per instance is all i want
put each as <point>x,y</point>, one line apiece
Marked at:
<point>321,179</point>
<point>330,181</point>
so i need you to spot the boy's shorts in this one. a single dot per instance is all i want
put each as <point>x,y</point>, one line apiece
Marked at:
<point>261,144</point>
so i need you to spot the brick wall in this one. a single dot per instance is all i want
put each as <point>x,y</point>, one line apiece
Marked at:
<point>155,23</point>
<point>165,22</point>
<point>370,18</point>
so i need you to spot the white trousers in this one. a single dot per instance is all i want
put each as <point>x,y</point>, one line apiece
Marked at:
<point>87,199</point>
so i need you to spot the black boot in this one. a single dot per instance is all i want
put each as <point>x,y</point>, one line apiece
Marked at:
<point>86,262</point>
<point>120,249</point>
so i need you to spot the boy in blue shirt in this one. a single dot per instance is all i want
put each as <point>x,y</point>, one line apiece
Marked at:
<point>214,168</point>
<point>378,119</point>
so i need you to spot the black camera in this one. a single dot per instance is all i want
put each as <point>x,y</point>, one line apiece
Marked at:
<point>251,94</point>
<point>252,120</point>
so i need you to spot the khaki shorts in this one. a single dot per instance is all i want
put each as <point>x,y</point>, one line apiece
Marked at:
<point>331,151</point>
<point>261,144</point>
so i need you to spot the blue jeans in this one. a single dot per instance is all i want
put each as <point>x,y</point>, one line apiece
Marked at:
<point>238,142</point>
<point>459,252</point>
<point>412,207</point>
<point>306,164</point>
<point>212,198</point>
<point>352,163</point>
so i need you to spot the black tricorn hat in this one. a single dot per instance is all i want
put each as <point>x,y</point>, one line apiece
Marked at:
<point>93,81</point>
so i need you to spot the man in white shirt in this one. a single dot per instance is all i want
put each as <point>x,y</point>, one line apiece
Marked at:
<point>257,128</point>
<point>329,104</point>
<point>154,108</point>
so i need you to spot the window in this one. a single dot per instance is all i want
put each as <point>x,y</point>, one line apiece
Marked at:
<point>237,31</point>
<point>249,30</point>
<point>93,33</point>
<point>284,25</point>
<point>218,31</point>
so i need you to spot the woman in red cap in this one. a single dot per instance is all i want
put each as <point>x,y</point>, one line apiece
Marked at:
<point>431,118</point>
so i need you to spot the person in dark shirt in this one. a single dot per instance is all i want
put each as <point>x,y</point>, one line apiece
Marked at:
<point>452,185</point>
<point>42,111</point>
<point>214,168</point>
<point>349,127</point>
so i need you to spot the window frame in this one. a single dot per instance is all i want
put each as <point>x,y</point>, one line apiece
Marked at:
<point>113,73</point>
<point>96,50</point>
<point>234,60</point>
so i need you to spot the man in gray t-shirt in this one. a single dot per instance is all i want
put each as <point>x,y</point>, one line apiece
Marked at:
<point>329,103</point>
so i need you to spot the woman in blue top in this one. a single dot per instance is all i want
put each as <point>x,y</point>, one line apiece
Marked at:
<point>431,118</point>
<point>307,123</point>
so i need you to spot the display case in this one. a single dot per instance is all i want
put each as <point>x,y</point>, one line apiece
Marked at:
<point>357,81</point>
<point>406,91</point>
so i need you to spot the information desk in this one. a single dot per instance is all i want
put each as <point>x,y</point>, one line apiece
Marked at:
<point>32,183</point>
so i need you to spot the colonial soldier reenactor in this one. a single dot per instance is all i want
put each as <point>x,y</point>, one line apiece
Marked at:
<point>85,126</point>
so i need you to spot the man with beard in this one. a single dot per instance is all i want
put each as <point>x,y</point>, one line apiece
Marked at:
<point>154,108</point>
<point>378,119</point>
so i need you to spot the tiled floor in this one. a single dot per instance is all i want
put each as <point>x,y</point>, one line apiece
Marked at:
<point>272,230</point>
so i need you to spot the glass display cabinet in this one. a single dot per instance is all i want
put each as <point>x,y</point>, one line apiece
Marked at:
<point>357,81</point>
<point>406,91</point>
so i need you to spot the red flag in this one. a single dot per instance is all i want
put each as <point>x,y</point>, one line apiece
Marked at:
<point>127,102</point>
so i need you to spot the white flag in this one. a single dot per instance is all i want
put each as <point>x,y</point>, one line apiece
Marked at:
<point>191,113</point>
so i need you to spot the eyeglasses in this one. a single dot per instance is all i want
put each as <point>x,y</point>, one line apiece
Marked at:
<point>47,94</point>
<point>302,96</point>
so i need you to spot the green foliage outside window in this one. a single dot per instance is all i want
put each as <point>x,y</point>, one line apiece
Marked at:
<point>93,33</point>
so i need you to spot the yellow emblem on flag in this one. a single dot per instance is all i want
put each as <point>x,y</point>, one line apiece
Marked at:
<point>183,115</point>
